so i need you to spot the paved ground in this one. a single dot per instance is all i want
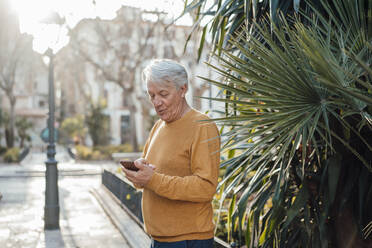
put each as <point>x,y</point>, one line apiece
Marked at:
<point>83,223</point>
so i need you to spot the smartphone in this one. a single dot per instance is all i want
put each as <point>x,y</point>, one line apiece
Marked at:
<point>129,165</point>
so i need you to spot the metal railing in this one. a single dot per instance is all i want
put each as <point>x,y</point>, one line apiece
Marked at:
<point>127,195</point>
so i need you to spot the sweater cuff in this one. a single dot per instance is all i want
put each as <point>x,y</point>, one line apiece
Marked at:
<point>154,182</point>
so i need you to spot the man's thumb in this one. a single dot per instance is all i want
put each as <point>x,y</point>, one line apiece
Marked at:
<point>139,165</point>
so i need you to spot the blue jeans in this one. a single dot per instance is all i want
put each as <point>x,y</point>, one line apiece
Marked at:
<point>206,243</point>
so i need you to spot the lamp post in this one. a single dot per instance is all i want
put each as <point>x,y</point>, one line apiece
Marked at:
<point>51,209</point>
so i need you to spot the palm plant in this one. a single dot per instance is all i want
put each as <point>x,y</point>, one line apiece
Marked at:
<point>299,104</point>
<point>227,17</point>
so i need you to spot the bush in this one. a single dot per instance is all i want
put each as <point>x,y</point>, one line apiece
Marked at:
<point>84,152</point>
<point>100,152</point>
<point>2,150</point>
<point>72,130</point>
<point>98,123</point>
<point>107,151</point>
<point>97,155</point>
<point>11,155</point>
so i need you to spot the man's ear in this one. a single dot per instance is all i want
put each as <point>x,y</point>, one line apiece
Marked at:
<point>184,89</point>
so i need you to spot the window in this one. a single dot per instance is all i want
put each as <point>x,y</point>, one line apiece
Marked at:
<point>168,52</point>
<point>41,103</point>
<point>105,94</point>
<point>125,129</point>
<point>125,100</point>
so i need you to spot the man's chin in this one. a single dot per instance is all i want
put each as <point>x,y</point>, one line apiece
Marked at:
<point>164,118</point>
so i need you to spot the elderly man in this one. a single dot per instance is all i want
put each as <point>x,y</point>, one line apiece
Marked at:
<point>178,170</point>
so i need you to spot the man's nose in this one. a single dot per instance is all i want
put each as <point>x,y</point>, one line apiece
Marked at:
<point>156,102</point>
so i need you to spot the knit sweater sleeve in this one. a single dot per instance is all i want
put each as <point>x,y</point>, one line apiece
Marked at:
<point>201,185</point>
<point>145,148</point>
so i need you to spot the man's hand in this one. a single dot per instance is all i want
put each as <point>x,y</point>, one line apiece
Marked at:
<point>143,175</point>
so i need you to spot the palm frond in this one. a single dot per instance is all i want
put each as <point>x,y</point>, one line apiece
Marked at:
<point>298,100</point>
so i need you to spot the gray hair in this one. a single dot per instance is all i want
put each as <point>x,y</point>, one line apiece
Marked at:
<point>162,71</point>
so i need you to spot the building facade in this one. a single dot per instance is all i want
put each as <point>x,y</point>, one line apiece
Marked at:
<point>23,84</point>
<point>105,58</point>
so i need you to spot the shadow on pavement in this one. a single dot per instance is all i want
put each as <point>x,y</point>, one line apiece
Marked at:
<point>53,239</point>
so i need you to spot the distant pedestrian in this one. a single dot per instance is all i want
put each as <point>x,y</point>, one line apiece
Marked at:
<point>178,170</point>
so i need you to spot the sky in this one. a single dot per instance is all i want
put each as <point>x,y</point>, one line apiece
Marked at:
<point>31,13</point>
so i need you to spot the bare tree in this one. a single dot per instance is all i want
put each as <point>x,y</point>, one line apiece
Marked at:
<point>14,50</point>
<point>71,79</point>
<point>117,49</point>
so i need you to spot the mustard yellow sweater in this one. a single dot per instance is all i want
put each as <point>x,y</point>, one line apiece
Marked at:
<point>176,202</point>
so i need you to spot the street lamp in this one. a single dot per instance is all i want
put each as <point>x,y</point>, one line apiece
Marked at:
<point>51,209</point>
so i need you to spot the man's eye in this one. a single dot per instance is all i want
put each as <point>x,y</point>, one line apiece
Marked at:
<point>164,94</point>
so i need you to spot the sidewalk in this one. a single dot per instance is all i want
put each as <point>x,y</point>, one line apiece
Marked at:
<point>34,166</point>
<point>38,170</point>
<point>89,216</point>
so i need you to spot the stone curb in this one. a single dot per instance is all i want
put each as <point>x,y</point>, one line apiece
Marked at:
<point>122,218</point>
<point>42,174</point>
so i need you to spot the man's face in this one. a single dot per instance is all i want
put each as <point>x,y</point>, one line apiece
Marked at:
<point>167,100</point>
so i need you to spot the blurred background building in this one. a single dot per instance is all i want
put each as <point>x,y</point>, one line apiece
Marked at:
<point>100,70</point>
<point>23,82</point>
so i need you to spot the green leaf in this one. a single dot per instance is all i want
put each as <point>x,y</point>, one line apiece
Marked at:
<point>273,10</point>
<point>296,5</point>
<point>367,230</point>
<point>222,34</point>
<point>230,217</point>
<point>334,165</point>
<point>202,40</point>
<point>248,233</point>
<point>299,203</point>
